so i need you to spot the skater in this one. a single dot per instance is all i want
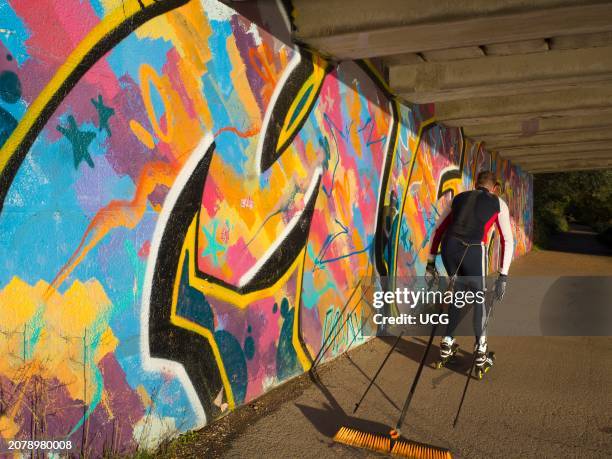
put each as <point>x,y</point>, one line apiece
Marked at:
<point>497,189</point>
<point>464,230</point>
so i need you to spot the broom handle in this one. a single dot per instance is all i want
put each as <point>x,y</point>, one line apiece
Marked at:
<point>415,381</point>
<point>377,372</point>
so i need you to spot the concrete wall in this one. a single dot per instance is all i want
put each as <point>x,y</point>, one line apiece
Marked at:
<point>187,206</point>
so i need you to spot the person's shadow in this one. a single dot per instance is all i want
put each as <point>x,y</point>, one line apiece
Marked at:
<point>414,347</point>
<point>329,418</point>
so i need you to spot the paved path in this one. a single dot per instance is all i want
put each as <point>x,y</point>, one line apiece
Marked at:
<point>546,397</point>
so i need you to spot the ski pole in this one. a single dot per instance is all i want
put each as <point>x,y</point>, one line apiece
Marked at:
<point>378,371</point>
<point>383,364</point>
<point>469,375</point>
<point>325,347</point>
<point>395,433</point>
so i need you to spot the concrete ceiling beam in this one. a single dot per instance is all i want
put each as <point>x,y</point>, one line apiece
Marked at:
<point>396,27</point>
<point>578,168</point>
<point>564,163</point>
<point>581,41</point>
<point>536,126</point>
<point>510,153</point>
<point>484,110</point>
<point>566,167</point>
<point>501,75</point>
<point>536,45</point>
<point>453,54</point>
<point>576,156</point>
<point>401,59</point>
<point>548,138</point>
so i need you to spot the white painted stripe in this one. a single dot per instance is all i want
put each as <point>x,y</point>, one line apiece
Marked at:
<point>483,248</point>
<point>155,364</point>
<point>248,276</point>
<point>293,63</point>
<point>388,157</point>
<point>483,265</point>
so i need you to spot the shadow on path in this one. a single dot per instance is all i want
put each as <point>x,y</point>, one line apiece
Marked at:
<point>330,417</point>
<point>579,239</point>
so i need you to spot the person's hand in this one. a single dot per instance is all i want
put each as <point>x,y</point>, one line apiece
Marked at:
<point>500,287</point>
<point>431,273</point>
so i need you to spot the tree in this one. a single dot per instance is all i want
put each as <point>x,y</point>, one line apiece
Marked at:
<point>581,196</point>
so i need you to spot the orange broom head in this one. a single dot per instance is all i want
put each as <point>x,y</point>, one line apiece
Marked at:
<point>382,444</point>
<point>409,449</point>
<point>354,437</point>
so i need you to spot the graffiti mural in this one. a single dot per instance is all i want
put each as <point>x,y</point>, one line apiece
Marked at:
<point>190,210</point>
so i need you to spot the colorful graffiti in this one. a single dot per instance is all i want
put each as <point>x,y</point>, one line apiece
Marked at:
<point>190,210</point>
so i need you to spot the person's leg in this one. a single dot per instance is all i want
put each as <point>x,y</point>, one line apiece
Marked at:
<point>480,319</point>
<point>479,288</point>
<point>480,332</point>
<point>452,254</point>
<point>471,280</point>
<point>466,262</point>
<point>476,270</point>
<point>454,313</point>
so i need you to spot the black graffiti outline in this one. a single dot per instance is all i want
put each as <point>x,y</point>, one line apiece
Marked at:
<point>97,51</point>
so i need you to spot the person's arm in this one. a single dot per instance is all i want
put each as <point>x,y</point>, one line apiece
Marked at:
<point>444,220</point>
<point>507,240</point>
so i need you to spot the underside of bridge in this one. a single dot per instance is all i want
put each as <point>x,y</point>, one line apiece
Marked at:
<point>530,79</point>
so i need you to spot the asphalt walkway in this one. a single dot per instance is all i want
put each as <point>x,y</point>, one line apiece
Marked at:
<point>545,397</point>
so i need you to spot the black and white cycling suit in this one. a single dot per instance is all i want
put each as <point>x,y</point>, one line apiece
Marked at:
<point>464,230</point>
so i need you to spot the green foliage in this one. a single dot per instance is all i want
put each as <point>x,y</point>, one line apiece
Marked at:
<point>581,196</point>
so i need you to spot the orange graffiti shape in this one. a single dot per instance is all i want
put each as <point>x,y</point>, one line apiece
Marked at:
<point>117,213</point>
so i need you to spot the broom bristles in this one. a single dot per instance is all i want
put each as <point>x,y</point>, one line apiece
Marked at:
<point>382,444</point>
<point>354,437</point>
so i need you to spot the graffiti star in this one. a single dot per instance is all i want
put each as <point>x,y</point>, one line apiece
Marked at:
<point>213,247</point>
<point>104,114</point>
<point>80,141</point>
